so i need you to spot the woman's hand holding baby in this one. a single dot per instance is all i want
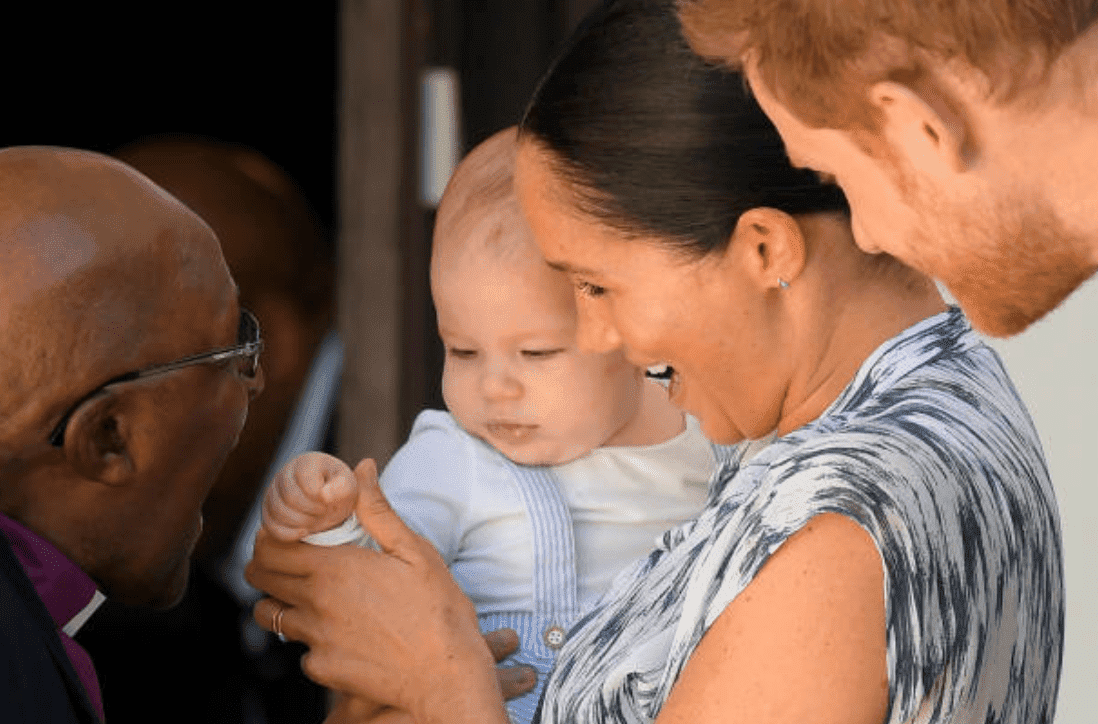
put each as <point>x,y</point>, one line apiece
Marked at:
<point>379,624</point>
<point>514,680</point>
<point>311,493</point>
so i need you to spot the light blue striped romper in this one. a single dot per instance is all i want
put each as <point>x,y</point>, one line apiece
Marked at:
<point>556,607</point>
<point>508,532</point>
<point>931,451</point>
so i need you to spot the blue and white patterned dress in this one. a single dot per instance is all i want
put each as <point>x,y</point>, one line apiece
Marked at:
<point>931,451</point>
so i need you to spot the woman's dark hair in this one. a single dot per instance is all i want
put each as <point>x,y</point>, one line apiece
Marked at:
<point>655,141</point>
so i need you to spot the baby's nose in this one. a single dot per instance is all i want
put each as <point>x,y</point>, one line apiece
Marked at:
<point>500,382</point>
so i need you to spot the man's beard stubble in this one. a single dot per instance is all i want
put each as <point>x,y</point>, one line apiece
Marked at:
<point>1007,267</point>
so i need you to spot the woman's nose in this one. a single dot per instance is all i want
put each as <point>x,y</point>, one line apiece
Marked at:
<point>594,332</point>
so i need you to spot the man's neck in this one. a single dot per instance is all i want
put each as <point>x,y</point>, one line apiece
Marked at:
<point>68,593</point>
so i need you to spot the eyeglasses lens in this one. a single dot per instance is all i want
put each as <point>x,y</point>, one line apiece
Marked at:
<point>249,334</point>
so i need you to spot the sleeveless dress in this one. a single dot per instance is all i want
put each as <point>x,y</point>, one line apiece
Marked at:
<point>931,451</point>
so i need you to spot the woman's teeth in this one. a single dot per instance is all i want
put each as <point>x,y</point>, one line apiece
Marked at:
<point>659,372</point>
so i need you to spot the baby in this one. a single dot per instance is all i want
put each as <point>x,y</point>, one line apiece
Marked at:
<point>553,469</point>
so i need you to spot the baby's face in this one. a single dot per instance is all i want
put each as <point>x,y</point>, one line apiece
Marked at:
<point>512,374</point>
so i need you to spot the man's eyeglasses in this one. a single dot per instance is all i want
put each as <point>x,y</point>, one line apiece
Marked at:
<point>249,345</point>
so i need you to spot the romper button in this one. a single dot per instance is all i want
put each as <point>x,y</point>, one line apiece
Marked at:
<point>554,637</point>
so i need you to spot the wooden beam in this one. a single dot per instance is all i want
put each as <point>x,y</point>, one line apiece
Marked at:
<point>379,64</point>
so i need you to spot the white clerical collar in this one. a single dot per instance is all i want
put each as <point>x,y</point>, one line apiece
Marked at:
<point>84,614</point>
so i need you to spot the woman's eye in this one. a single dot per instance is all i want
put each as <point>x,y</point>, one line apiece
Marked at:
<point>458,353</point>
<point>588,289</point>
<point>540,353</point>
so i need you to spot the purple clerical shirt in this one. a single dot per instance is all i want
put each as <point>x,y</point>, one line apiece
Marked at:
<point>68,593</point>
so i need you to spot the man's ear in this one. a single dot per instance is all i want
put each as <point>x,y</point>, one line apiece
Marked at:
<point>97,440</point>
<point>923,127</point>
<point>770,245</point>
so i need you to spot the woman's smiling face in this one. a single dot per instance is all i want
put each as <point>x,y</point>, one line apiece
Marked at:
<point>700,316</point>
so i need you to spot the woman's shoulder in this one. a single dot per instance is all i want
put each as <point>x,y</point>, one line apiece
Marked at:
<point>934,490</point>
<point>934,415</point>
<point>937,379</point>
<point>956,499</point>
<point>921,466</point>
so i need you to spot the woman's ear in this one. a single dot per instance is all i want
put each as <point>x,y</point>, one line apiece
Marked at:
<point>97,442</point>
<point>770,244</point>
<point>921,128</point>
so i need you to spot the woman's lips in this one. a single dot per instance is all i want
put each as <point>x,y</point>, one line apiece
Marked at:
<point>511,431</point>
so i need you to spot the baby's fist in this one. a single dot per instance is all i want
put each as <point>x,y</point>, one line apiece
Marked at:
<point>311,493</point>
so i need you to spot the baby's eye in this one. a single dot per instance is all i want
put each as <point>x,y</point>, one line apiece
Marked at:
<point>458,353</point>
<point>588,289</point>
<point>541,353</point>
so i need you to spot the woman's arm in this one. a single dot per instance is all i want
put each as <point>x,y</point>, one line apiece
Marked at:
<point>513,680</point>
<point>390,627</point>
<point>804,643</point>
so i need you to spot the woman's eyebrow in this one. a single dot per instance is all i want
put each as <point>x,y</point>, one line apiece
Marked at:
<point>567,268</point>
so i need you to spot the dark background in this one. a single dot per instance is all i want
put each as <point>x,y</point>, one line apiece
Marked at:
<point>97,78</point>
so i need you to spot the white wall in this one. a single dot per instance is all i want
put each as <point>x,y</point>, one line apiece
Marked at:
<point>1055,367</point>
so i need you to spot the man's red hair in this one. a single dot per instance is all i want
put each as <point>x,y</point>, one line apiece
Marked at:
<point>819,56</point>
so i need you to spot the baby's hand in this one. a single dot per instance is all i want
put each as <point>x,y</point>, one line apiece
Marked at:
<point>311,493</point>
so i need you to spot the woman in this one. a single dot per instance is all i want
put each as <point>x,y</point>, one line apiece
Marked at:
<point>886,548</point>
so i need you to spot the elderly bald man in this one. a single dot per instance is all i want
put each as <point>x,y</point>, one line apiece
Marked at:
<point>127,370</point>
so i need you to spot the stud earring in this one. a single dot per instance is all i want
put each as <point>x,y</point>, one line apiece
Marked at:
<point>783,283</point>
